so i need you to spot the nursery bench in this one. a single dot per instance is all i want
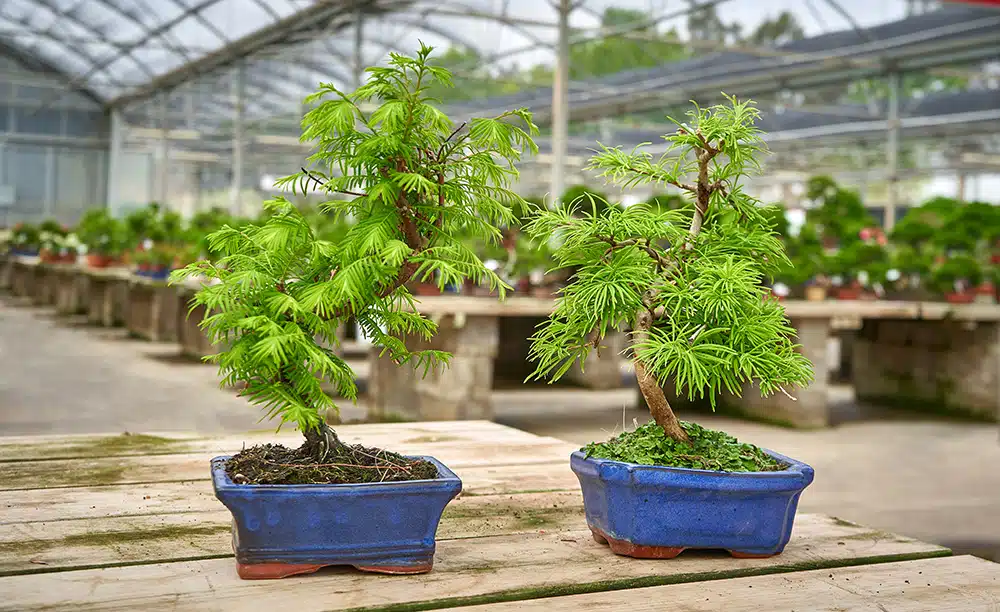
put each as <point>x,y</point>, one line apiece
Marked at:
<point>943,355</point>
<point>131,522</point>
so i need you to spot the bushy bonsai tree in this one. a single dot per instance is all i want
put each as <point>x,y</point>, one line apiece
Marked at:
<point>415,184</point>
<point>697,309</point>
<point>101,232</point>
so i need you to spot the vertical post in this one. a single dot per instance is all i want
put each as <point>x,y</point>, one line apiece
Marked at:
<point>960,196</point>
<point>560,105</point>
<point>236,180</point>
<point>892,151</point>
<point>115,162</point>
<point>164,152</point>
<point>359,60</point>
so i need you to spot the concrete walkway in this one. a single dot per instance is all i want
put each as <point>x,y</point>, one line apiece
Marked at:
<point>931,479</point>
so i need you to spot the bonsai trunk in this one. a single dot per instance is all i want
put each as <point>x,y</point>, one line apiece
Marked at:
<point>320,441</point>
<point>659,407</point>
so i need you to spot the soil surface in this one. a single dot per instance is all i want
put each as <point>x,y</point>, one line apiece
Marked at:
<point>274,464</point>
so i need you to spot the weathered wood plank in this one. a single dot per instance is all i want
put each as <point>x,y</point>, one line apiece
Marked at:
<point>197,495</point>
<point>101,542</point>
<point>953,584</point>
<point>44,474</point>
<point>20,448</point>
<point>467,571</point>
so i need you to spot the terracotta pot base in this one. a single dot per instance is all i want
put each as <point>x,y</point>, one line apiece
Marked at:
<point>636,551</point>
<point>274,571</point>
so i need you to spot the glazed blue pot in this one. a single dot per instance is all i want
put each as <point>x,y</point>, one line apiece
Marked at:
<point>655,512</point>
<point>281,530</point>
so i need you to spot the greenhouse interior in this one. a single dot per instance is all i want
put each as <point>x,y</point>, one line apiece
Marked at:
<point>271,268</point>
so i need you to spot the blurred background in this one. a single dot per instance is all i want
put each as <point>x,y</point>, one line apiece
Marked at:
<point>129,129</point>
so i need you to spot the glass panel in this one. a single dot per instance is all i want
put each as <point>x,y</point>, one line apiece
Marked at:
<point>4,117</point>
<point>38,121</point>
<point>26,171</point>
<point>77,174</point>
<point>85,123</point>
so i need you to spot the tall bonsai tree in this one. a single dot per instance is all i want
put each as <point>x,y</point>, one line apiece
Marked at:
<point>697,308</point>
<point>416,184</point>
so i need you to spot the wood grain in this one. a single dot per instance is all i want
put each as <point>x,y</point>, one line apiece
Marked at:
<point>101,542</point>
<point>467,571</point>
<point>39,505</point>
<point>952,584</point>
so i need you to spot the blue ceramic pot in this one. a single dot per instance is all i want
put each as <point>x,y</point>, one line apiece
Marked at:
<point>281,530</point>
<point>655,512</point>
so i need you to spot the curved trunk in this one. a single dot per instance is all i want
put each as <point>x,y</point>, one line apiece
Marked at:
<point>659,407</point>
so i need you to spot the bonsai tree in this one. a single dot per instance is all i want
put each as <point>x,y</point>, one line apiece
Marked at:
<point>956,274</point>
<point>839,213</point>
<point>25,239</point>
<point>101,233</point>
<point>415,184</point>
<point>696,307</point>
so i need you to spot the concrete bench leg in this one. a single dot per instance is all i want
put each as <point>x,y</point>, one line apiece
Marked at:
<point>461,391</point>
<point>601,370</point>
<point>811,407</point>
<point>946,366</point>
<point>151,311</point>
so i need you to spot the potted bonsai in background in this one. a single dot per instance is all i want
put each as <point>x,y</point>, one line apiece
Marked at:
<point>103,237</point>
<point>701,320</point>
<point>24,240</point>
<point>57,244</point>
<point>416,184</point>
<point>956,278</point>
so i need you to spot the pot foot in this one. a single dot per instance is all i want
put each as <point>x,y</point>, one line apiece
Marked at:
<point>636,551</point>
<point>736,554</point>
<point>271,571</point>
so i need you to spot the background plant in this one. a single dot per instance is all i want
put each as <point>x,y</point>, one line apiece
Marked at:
<point>101,232</point>
<point>416,184</point>
<point>697,308</point>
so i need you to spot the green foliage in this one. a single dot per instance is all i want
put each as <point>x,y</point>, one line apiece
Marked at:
<point>586,200</point>
<point>698,302</point>
<point>417,184</point>
<point>25,236</point>
<point>956,269</point>
<point>707,450</point>
<point>102,233</point>
<point>663,202</point>
<point>840,214</point>
<point>858,256</point>
<point>969,227</point>
<point>919,226</point>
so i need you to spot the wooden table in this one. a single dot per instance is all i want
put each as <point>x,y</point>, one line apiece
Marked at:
<point>131,523</point>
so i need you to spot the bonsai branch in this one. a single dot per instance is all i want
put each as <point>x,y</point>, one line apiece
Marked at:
<point>642,243</point>
<point>325,185</point>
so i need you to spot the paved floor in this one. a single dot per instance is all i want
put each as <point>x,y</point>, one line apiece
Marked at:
<point>932,479</point>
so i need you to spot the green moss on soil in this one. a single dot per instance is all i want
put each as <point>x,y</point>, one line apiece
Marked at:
<point>708,450</point>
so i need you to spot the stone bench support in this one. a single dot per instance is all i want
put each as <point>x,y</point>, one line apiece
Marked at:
<point>151,311</point>
<point>946,366</point>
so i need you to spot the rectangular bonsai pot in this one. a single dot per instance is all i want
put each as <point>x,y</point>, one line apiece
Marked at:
<point>655,512</point>
<point>281,530</point>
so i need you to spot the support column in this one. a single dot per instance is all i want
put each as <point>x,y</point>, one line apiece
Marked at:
<point>164,167</point>
<point>236,181</point>
<point>892,152</point>
<point>560,105</point>
<point>359,60</point>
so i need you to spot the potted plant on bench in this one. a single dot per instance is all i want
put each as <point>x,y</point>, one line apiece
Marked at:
<point>25,240</point>
<point>700,317</point>
<point>416,184</point>
<point>103,236</point>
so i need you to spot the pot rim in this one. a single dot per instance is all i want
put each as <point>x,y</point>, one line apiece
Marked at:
<point>446,478</point>
<point>795,468</point>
